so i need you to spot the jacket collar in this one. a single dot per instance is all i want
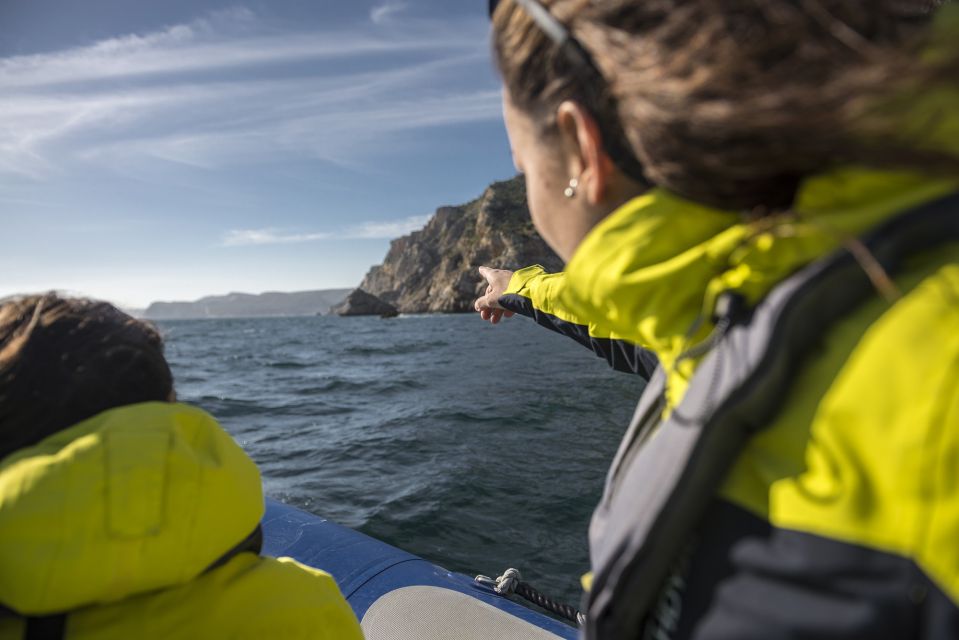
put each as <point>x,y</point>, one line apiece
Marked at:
<point>653,269</point>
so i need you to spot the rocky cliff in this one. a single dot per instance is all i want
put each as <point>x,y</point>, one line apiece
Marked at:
<point>435,269</point>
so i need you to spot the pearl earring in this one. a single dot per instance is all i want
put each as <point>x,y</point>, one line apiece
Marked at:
<point>570,191</point>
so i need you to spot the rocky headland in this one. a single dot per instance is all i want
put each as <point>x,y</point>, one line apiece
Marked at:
<point>434,270</point>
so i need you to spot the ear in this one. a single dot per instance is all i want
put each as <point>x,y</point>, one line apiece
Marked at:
<point>584,154</point>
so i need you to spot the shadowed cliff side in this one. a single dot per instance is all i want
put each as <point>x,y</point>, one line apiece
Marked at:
<point>435,269</point>
<point>361,303</point>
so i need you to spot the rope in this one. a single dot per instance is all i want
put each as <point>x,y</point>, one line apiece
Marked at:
<point>511,582</point>
<point>566,611</point>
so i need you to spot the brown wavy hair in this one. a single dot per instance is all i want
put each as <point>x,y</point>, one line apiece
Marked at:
<point>733,102</point>
<point>63,360</point>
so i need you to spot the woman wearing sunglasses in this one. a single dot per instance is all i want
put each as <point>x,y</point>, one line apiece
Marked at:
<point>763,194</point>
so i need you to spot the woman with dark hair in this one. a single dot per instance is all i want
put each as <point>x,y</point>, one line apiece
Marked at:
<point>790,470</point>
<point>122,513</point>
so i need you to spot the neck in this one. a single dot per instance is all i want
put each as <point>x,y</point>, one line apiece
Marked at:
<point>617,193</point>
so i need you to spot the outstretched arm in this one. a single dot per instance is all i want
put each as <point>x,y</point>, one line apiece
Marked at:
<point>534,293</point>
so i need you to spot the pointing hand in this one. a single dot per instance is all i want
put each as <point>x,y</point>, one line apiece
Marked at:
<point>497,281</point>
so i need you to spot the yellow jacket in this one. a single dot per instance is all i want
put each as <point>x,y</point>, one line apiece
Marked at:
<point>116,520</point>
<point>855,482</point>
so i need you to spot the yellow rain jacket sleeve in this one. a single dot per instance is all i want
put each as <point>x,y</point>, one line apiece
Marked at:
<point>537,294</point>
<point>116,520</point>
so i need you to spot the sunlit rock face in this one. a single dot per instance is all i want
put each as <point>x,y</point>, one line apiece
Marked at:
<point>434,270</point>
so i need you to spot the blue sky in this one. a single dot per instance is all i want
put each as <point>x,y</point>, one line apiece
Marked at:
<point>169,150</point>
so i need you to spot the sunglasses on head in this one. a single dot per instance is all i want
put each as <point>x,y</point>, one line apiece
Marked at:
<point>621,154</point>
<point>553,28</point>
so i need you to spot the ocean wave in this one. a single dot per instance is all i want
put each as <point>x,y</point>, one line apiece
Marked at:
<point>290,365</point>
<point>392,349</point>
<point>359,386</point>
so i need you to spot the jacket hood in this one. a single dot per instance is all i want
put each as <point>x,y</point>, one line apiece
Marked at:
<point>654,268</point>
<point>132,500</point>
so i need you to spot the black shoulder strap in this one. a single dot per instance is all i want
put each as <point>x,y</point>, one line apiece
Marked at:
<point>663,486</point>
<point>45,627</point>
<point>252,543</point>
<point>49,627</point>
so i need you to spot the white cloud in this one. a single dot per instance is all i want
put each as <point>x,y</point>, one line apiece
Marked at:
<point>364,231</point>
<point>205,45</point>
<point>221,91</point>
<point>387,230</point>
<point>385,12</point>
<point>248,237</point>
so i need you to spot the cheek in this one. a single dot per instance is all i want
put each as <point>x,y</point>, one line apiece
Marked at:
<point>545,209</point>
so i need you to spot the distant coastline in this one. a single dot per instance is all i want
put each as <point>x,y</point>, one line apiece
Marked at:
<point>248,305</point>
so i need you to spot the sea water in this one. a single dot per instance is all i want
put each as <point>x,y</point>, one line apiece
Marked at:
<point>477,447</point>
